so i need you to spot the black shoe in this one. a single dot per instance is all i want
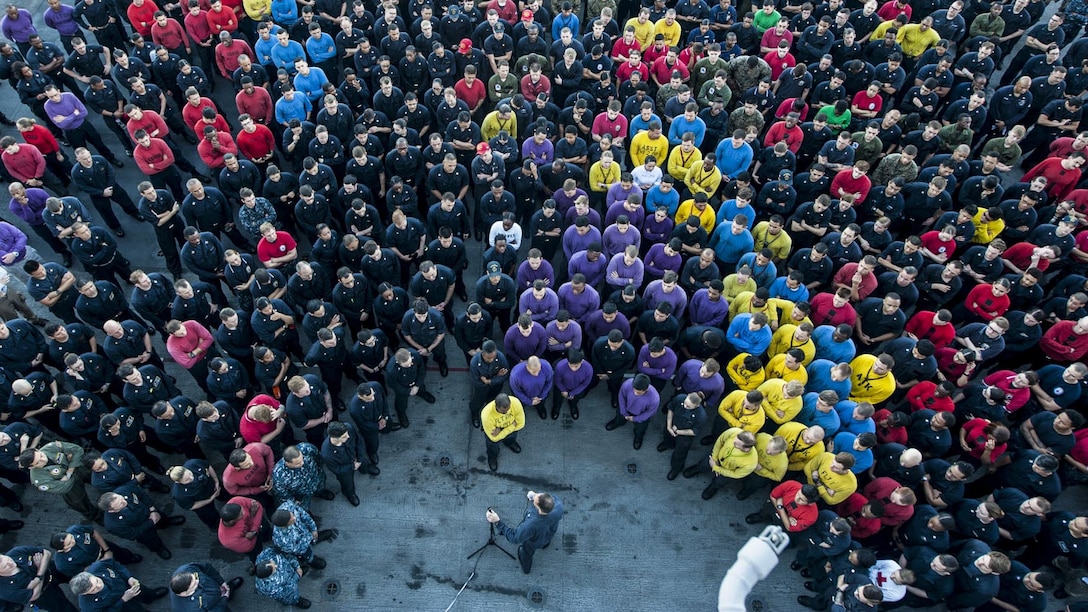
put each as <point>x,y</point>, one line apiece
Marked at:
<point>1061,593</point>
<point>372,469</point>
<point>574,412</point>
<point>614,423</point>
<point>164,553</point>
<point>67,257</point>
<point>743,494</point>
<point>463,296</point>
<point>805,573</point>
<point>372,459</point>
<point>543,412</point>
<point>514,447</point>
<point>475,422</point>
<point>128,153</point>
<point>443,369</point>
<point>662,447</point>
<point>174,521</point>
<point>707,440</point>
<point>13,525</point>
<point>120,232</point>
<point>190,138</point>
<point>116,163</point>
<point>354,499</point>
<point>403,423</point>
<point>709,492</point>
<point>555,411</point>
<point>615,402</point>
<point>427,396</point>
<point>391,427</point>
<point>303,603</point>
<point>637,444</point>
<point>795,566</point>
<point>136,558</point>
<point>673,474</point>
<point>340,406</point>
<point>318,563</point>
<point>492,464</point>
<point>809,602</point>
<point>4,120</point>
<point>753,518</point>
<point>234,583</point>
<point>691,471</point>
<point>810,586</point>
<point>325,494</point>
<point>328,535</point>
<point>158,593</point>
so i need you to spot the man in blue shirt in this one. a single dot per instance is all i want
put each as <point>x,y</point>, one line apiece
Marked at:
<point>536,529</point>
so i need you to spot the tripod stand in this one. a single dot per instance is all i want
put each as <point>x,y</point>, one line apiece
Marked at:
<point>491,542</point>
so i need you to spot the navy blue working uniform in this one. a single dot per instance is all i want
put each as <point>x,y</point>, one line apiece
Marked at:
<point>207,597</point>
<point>535,531</point>
<point>15,588</point>
<point>85,550</point>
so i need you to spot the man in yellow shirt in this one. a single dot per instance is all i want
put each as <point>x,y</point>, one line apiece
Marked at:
<point>917,38</point>
<point>733,457</point>
<point>782,400</point>
<point>831,475</point>
<point>642,27</point>
<point>502,118</point>
<point>773,463</point>
<point>737,283</point>
<point>788,366</point>
<point>989,222</point>
<point>669,28</point>
<point>746,372</point>
<point>771,235</point>
<point>684,157</point>
<point>789,336</point>
<point>872,380</point>
<point>704,176</point>
<point>802,443</point>
<point>740,410</point>
<point>697,207</point>
<point>748,302</point>
<point>649,142</point>
<point>501,420</point>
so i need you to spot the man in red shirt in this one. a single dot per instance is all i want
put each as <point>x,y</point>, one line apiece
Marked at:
<point>852,182</point>
<point>1062,175</point>
<point>141,14</point>
<point>249,472</point>
<point>786,131</point>
<point>471,90</point>
<point>833,309</point>
<point>864,515</point>
<point>27,165</point>
<point>793,503</point>
<point>240,526</point>
<point>933,326</point>
<point>985,302</point>
<point>928,395</point>
<point>275,248</point>
<point>189,344</point>
<point>857,278</point>
<point>193,110</point>
<point>222,19</point>
<point>1066,341</point>
<point>227,52</point>
<point>213,146</point>
<point>168,33</point>
<point>255,101</point>
<point>196,26</point>
<point>255,141</point>
<point>898,500</point>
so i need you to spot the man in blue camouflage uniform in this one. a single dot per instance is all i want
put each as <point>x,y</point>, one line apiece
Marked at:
<point>295,532</point>
<point>108,585</point>
<point>198,587</point>
<point>299,476</point>
<point>277,578</point>
<point>80,545</point>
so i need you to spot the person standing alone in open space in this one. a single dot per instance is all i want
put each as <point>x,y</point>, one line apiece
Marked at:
<point>536,529</point>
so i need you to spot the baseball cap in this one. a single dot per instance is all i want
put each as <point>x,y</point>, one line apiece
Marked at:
<point>482,148</point>
<point>785,175</point>
<point>527,15</point>
<point>493,270</point>
<point>465,46</point>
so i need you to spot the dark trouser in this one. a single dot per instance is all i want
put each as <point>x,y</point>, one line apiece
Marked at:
<point>38,108</point>
<point>150,536</point>
<point>371,439</point>
<point>170,179</point>
<point>149,461</point>
<point>58,173</point>
<point>316,435</point>
<point>105,207</point>
<point>180,160</point>
<point>501,316</point>
<point>209,516</point>
<point>680,445</point>
<point>7,496</point>
<point>54,243</point>
<point>525,557</point>
<point>76,497</point>
<point>52,598</point>
<point>481,395</point>
<point>170,237</point>
<point>233,233</point>
<point>117,265</point>
<point>65,310</point>
<point>199,371</point>
<point>640,428</point>
<point>347,482</point>
<point>85,134</point>
<point>752,484</point>
<point>613,383</point>
<point>13,304</point>
<point>114,125</point>
<point>717,481</point>
<point>557,399</point>
<point>493,447</point>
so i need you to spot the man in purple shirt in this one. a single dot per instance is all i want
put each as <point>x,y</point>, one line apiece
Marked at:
<point>539,302</point>
<point>590,264</point>
<point>638,404</point>
<point>28,204</point>
<point>656,361</point>
<point>578,298</point>
<point>70,115</point>
<point>18,26</point>
<point>620,235</point>
<point>61,17</point>
<point>666,290</point>
<point>702,377</point>
<point>579,236</point>
<point>573,376</point>
<point>531,382</point>
<point>708,306</point>
<point>535,268</point>
<point>663,257</point>
<point>625,269</point>
<point>525,339</point>
<point>603,321</point>
<point>563,334</point>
